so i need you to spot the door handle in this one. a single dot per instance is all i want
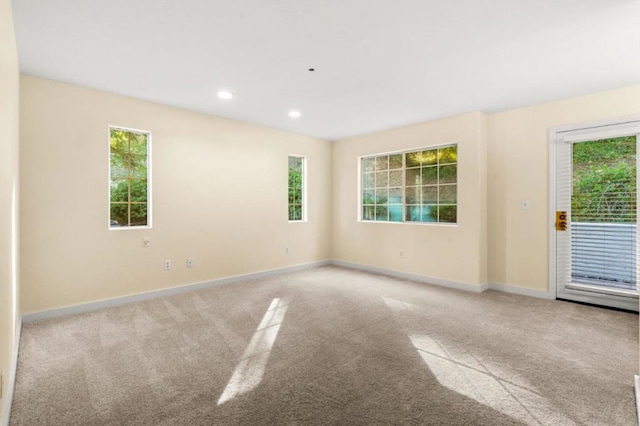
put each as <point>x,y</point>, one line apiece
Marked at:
<point>561,220</point>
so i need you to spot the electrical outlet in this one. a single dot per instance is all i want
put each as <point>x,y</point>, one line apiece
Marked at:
<point>189,262</point>
<point>525,205</point>
<point>286,250</point>
<point>146,242</point>
<point>167,265</point>
<point>401,253</point>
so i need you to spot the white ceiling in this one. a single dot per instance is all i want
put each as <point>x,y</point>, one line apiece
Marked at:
<point>379,64</point>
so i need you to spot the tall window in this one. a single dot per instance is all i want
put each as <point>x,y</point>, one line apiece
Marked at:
<point>129,178</point>
<point>297,208</point>
<point>412,186</point>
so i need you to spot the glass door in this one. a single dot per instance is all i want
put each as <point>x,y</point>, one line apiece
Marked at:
<point>596,226</point>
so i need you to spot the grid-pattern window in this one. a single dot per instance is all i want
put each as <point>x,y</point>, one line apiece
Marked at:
<point>129,178</point>
<point>382,188</point>
<point>413,186</point>
<point>297,188</point>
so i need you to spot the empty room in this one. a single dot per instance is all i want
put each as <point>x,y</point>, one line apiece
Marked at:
<point>319,212</point>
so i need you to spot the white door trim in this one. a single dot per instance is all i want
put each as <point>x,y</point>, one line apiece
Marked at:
<point>553,133</point>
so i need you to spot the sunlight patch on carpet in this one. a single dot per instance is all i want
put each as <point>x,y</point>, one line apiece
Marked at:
<point>249,372</point>
<point>494,386</point>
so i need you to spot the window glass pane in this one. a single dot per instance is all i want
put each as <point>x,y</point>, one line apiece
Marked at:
<point>430,175</point>
<point>448,174</point>
<point>382,213</point>
<point>429,213</point>
<point>429,195</point>
<point>295,164</point>
<point>382,179</point>
<point>395,212</point>
<point>119,142</point>
<point>119,166</point>
<point>382,163</point>
<point>297,195</point>
<point>448,214</point>
<point>368,180</point>
<point>413,159</point>
<point>368,196</point>
<point>368,213</point>
<point>297,212</point>
<point>429,157</point>
<point>448,154</point>
<point>292,213</point>
<point>413,214</point>
<point>138,190</point>
<point>395,195</point>
<point>447,194</point>
<point>138,166</point>
<point>413,177</point>
<point>368,164</point>
<point>138,214</point>
<point>382,196</point>
<point>119,215</point>
<point>119,191</point>
<point>138,144</point>
<point>295,178</point>
<point>412,194</point>
<point>395,161</point>
<point>395,178</point>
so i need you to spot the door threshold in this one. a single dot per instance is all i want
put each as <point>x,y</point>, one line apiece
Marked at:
<point>594,305</point>
<point>603,290</point>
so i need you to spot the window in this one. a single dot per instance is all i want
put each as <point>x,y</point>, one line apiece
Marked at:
<point>412,186</point>
<point>297,190</point>
<point>129,178</point>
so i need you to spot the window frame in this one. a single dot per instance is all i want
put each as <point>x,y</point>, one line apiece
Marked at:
<point>149,181</point>
<point>360,206</point>
<point>303,219</point>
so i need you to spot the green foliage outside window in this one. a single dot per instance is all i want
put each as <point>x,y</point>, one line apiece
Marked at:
<point>417,186</point>
<point>296,188</point>
<point>604,181</point>
<point>129,178</point>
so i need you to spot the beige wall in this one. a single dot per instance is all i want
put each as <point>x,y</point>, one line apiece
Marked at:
<point>69,257</point>
<point>503,161</point>
<point>9,125</point>
<point>454,253</point>
<point>219,196</point>
<point>518,169</point>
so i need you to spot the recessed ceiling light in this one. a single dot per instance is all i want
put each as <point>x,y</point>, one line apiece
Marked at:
<point>294,114</point>
<point>223,94</point>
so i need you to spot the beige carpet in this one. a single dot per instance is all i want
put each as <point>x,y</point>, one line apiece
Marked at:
<point>331,346</point>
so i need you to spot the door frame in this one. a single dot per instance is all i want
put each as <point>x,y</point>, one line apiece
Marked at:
<point>553,133</point>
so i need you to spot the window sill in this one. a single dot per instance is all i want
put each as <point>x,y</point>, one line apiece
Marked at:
<point>125,228</point>
<point>448,225</point>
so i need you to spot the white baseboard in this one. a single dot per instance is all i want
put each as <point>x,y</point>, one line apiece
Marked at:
<point>117,301</point>
<point>413,277</point>
<point>11,376</point>
<point>540,294</point>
